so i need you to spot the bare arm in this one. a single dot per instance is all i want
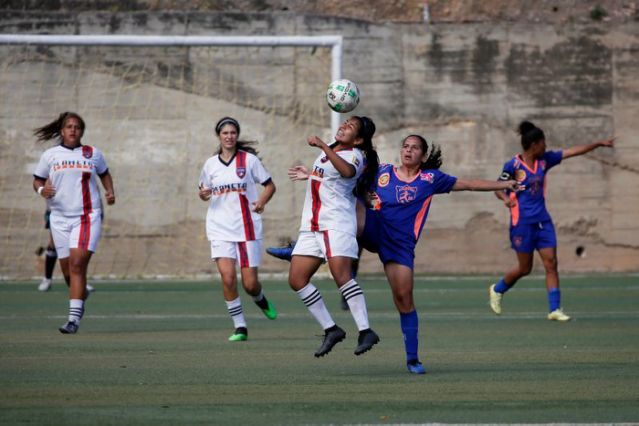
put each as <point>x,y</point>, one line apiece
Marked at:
<point>48,190</point>
<point>344,168</point>
<point>296,173</point>
<point>484,185</point>
<point>265,197</point>
<point>577,150</point>
<point>109,192</point>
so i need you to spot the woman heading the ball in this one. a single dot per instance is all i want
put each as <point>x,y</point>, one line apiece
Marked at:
<point>233,220</point>
<point>329,225</point>
<point>67,175</point>
<point>531,227</point>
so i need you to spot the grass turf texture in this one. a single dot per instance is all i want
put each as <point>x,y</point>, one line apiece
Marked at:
<point>157,352</point>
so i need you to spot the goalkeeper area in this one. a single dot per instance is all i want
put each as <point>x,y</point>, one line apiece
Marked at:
<point>156,352</point>
<point>152,110</point>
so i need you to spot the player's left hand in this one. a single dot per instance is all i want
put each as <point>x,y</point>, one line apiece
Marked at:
<point>258,207</point>
<point>110,197</point>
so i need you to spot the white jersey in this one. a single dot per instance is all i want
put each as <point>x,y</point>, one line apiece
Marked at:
<point>230,216</point>
<point>74,174</point>
<point>330,203</point>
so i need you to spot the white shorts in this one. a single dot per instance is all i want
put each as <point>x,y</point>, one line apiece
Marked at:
<point>326,244</point>
<point>247,253</point>
<point>76,232</point>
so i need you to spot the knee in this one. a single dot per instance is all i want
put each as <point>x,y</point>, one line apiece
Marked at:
<point>404,301</point>
<point>551,264</point>
<point>76,266</point>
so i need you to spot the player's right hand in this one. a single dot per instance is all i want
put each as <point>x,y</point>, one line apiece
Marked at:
<point>49,190</point>
<point>205,193</point>
<point>298,173</point>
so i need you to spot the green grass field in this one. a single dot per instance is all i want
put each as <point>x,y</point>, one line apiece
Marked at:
<point>157,353</point>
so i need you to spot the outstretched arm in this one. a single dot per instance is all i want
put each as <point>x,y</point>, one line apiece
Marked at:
<point>485,185</point>
<point>577,150</point>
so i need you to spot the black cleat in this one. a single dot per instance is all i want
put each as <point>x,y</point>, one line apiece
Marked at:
<point>332,336</point>
<point>366,340</point>
<point>69,328</point>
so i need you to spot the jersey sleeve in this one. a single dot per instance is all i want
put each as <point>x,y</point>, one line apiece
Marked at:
<point>553,158</point>
<point>100,163</point>
<point>354,157</point>
<point>259,172</point>
<point>204,178</point>
<point>508,172</point>
<point>42,169</point>
<point>443,183</point>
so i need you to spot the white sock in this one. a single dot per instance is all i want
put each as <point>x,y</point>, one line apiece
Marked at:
<point>235,310</point>
<point>315,304</point>
<point>76,310</point>
<point>356,302</point>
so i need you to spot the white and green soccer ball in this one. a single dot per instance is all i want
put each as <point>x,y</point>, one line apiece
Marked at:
<point>342,95</point>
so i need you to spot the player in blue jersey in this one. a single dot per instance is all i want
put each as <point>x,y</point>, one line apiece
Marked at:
<point>531,227</point>
<point>391,226</point>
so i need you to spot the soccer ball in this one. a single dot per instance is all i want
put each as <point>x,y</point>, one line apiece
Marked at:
<point>342,95</point>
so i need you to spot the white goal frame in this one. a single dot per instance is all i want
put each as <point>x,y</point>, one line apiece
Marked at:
<point>334,41</point>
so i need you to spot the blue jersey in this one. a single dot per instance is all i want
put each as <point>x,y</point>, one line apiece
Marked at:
<point>530,204</point>
<point>403,206</point>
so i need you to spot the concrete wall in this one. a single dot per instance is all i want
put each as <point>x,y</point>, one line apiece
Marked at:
<point>464,87</point>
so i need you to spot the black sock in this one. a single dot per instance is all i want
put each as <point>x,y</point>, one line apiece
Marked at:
<point>262,303</point>
<point>49,262</point>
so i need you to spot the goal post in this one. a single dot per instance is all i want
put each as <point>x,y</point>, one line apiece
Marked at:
<point>150,104</point>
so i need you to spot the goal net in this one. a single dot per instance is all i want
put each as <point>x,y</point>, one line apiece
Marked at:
<point>152,110</point>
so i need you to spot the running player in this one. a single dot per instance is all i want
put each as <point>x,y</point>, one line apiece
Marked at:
<point>233,219</point>
<point>67,176</point>
<point>531,227</point>
<point>328,227</point>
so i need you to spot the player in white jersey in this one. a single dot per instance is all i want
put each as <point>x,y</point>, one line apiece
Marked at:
<point>233,221</point>
<point>329,226</point>
<point>67,177</point>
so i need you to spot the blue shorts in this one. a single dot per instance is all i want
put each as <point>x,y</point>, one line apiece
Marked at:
<point>389,248</point>
<point>526,238</point>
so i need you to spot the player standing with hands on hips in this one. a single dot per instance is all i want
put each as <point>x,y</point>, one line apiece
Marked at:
<point>233,221</point>
<point>531,226</point>
<point>67,176</point>
<point>329,225</point>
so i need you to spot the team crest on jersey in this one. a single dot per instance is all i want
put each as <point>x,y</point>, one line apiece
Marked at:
<point>241,172</point>
<point>405,194</point>
<point>428,177</point>
<point>87,151</point>
<point>520,175</point>
<point>383,180</point>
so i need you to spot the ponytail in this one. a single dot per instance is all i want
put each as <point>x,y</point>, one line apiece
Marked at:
<point>366,181</point>
<point>529,134</point>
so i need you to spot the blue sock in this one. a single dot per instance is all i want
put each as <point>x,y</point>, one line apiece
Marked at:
<point>554,299</point>
<point>502,287</point>
<point>410,329</point>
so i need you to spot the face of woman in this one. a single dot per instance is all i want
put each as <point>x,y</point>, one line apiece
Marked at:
<point>411,154</point>
<point>71,132</point>
<point>538,148</point>
<point>347,133</point>
<point>228,136</point>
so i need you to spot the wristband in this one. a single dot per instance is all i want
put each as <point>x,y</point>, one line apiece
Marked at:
<point>40,190</point>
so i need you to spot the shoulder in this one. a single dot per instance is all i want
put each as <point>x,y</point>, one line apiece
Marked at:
<point>384,168</point>
<point>512,163</point>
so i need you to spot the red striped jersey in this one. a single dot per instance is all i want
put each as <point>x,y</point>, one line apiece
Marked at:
<point>73,172</point>
<point>329,201</point>
<point>230,216</point>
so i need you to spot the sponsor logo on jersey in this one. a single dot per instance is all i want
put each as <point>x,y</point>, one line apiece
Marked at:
<point>405,193</point>
<point>383,180</point>
<point>428,177</point>
<point>520,175</point>
<point>229,187</point>
<point>72,164</point>
<point>240,171</point>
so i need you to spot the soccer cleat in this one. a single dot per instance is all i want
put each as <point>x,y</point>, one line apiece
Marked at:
<point>90,288</point>
<point>284,253</point>
<point>45,284</point>
<point>558,315</point>
<point>415,367</point>
<point>366,340</point>
<point>70,327</point>
<point>495,300</point>
<point>270,311</point>
<point>332,336</point>
<point>239,335</point>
